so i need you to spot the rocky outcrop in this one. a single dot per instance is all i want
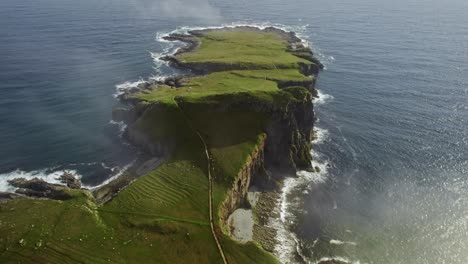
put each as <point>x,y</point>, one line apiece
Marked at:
<point>8,196</point>
<point>40,188</point>
<point>71,181</point>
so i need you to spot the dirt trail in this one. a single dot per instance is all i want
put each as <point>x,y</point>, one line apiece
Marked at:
<point>210,185</point>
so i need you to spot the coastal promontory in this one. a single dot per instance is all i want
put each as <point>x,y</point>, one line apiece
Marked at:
<point>240,115</point>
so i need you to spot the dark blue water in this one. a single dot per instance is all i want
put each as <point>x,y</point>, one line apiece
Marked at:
<point>394,127</point>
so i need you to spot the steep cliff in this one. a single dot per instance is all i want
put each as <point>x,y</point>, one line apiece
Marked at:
<point>237,194</point>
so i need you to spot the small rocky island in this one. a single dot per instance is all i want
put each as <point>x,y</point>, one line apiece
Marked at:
<point>241,118</point>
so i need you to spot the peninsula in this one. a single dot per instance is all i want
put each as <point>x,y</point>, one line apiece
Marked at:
<point>241,116</point>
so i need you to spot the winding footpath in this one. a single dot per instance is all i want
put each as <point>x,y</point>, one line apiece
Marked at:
<point>210,184</point>
<point>210,190</point>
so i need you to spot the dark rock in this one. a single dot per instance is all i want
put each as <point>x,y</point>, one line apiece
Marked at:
<point>309,69</point>
<point>265,236</point>
<point>170,82</point>
<point>34,184</point>
<point>7,196</point>
<point>123,114</point>
<point>71,181</point>
<point>143,86</point>
<point>54,194</point>
<point>190,40</point>
<point>39,188</point>
<point>287,148</point>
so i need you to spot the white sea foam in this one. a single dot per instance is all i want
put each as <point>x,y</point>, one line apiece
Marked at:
<point>117,175</point>
<point>339,242</point>
<point>121,125</point>
<point>51,175</point>
<point>159,78</point>
<point>44,174</point>
<point>121,88</point>
<point>322,98</point>
<point>341,259</point>
<point>321,135</point>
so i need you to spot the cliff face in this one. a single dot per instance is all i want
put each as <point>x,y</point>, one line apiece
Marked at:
<point>146,128</point>
<point>284,150</point>
<point>287,147</point>
<point>236,196</point>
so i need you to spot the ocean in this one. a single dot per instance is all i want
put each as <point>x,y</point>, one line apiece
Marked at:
<point>392,124</point>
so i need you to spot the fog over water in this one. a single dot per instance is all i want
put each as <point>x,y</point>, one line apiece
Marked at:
<point>393,117</point>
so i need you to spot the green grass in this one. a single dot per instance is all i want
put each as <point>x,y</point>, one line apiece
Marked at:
<point>212,84</point>
<point>246,253</point>
<point>178,189</point>
<point>163,217</point>
<point>240,47</point>
<point>273,75</point>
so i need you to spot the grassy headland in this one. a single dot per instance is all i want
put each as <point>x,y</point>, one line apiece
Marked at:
<point>253,87</point>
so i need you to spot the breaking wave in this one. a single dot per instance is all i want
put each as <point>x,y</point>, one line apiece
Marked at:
<point>121,125</point>
<point>322,98</point>
<point>339,242</point>
<point>117,175</point>
<point>121,88</point>
<point>52,174</point>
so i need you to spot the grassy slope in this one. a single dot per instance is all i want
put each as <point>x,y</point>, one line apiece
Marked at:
<point>163,216</point>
